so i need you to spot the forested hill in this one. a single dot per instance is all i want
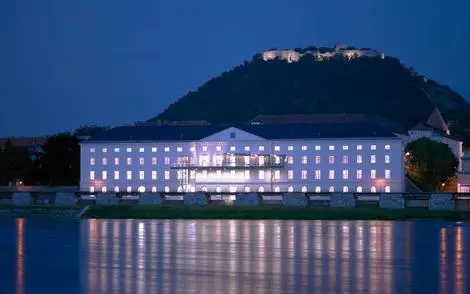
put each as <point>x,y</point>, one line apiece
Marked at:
<point>369,85</point>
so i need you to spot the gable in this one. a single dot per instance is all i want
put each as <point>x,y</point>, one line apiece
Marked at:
<point>232,134</point>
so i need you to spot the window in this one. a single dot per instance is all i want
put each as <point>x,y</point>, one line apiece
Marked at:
<point>331,159</point>
<point>261,160</point>
<point>167,189</point>
<point>290,160</point>
<point>331,189</point>
<point>141,161</point>
<point>179,149</point>
<point>141,150</point>
<point>233,174</point>
<point>167,149</point>
<point>204,174</point>
<point>277,174</point>
<point>167,160</point>
<point>331,148</point>
<point>247,189</point>
<point>345,189</point>
<point>192,149</point>
<point>141,189</point>
<point>104,161</point>
<point>218,148</point>
<point>92,175</point>
<point>331,174</point>
<point>116,175</point>
<point>116,189</point>
<point>359,174</point>
<point>261,189</point>
<point>317,189</point>
<point>154,161</point>
<point>304,174</point>
<point>129,161</point>
<point>387,189</point>
<point>359,158</point>
<point>247,148</point>
<point>116,160</point>
<point>290,148</point>
<point>304,189</point>
<point>154,175</point>
<point>129,175</point>
<point>277,189</point>
<point>359,189</point>
<point>104,150</point>
<point>192,174</point>
<point>387,174</point>
<point>154,189</point>
<point>345,147</point>
<point>247,174</point>
<point>278,148</point>
<point>218,174</point>
<point>290,189</point>
<point>167,175</point>
<point>92,161</point>
<point>317,159</point>
<point>104,189</point>
<point>359,147</point>
<point>373,147</point>
<point>372,159</point>
<point>261,148</point>
<point>204,189</point>
<point>204,148</point>
<point>179,174</point>
<point>304,148</point>
<point>304,159</point>
<point>154,149</point>
<point>290,174</point>
<point>277,159</point>
<point>345,159</point>
<point>387,158</point>
<point>387,147</point>
<point>129,189</point>
<point>345,174</point>
<point>317,174</point>
<point>373,189</point>
<point>261,174</point>
<point>233,135</point>
<point>372,173</point>
<point>116,150</point>
<point>92,150</point>
<point>233,148</point>
<point>128,149</point>
<point>317,148</point>
<point>233,189</point>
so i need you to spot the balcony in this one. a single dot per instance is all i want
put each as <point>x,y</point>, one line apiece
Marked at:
<point>234,161</point>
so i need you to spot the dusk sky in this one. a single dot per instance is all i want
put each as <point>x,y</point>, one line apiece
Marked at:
<point>69,63</point>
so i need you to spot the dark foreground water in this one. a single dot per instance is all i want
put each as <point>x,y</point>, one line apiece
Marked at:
<point>184,256</point>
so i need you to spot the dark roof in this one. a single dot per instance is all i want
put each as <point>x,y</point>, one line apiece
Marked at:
<point>270,131</point>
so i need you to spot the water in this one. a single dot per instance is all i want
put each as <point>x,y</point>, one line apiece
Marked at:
<point>228,256</point>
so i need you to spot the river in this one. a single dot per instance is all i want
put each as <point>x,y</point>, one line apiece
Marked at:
<point>233,256</point>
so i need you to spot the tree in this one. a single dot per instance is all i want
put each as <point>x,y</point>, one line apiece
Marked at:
<point>15,162</point>
<point>430,164</point>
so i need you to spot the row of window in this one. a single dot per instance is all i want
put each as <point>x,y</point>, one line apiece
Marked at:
<point>233,189</point>
<point>246,174</point>
<point>204,148</point>
<point>261,160</point>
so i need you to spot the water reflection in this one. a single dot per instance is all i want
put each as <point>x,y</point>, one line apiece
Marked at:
<point>204,256</point>
<point>19,256</point>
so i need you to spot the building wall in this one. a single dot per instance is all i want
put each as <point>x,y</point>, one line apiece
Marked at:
<point>303,154</point>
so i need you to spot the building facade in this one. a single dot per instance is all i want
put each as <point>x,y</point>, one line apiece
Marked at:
<point>463,176</point>
<point>248,158</point>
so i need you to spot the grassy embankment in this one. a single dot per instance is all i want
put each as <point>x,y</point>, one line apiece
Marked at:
<point>231,212</point>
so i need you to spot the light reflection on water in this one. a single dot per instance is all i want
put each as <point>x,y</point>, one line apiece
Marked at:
<point>231,256</point>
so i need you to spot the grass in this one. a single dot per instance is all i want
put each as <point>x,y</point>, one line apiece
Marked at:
<point>263,212</point>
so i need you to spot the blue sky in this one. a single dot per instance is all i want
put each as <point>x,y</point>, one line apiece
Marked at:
<point>69,63</point>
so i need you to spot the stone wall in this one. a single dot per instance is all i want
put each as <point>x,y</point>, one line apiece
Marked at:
<point>441,202</point>
<point>392,200</point>
<point>65,198</point>
<point>22,198</point>
<point>151,199</point>
<point>196,199</point>
<point>248,199</point>
<point>294,199</point>
<point>107,199</point>
<point>342,200</point>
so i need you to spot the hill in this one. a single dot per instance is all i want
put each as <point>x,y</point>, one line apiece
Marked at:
<point>324,80</point>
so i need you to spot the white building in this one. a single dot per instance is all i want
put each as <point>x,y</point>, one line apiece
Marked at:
<point>335,157</point>
<point>463,176</point>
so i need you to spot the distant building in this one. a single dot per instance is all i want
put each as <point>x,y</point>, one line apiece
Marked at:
<point>463,176</point>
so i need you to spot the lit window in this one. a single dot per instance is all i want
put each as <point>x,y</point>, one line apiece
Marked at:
<point>204,189</point>
<point>317,159</point>
<point>129,150</point>
<point>116,175</point>
<point>141,189</point>
<point>331,148</point>
<point>167,149</point>
<point>345,159</point>
<point>116,160</point>
<point>317,189</point>
<point>373,147</point>
<point>331,159</point>
<point>277,189</point>
<point>218,189</point>
<point>290,160</point>
<point>331,189</point>
<point>289,148</point>
<point>167,160</point>
<point>304,174</point>
<point>261,189</point>
<point>167,175</point>
<point>141,175</point>
<point>372,159</point>
<point>92,150</point>
<point>104,189</point>
<point>373,189</point>
<point>304,148</point>
<point>204,174</point>
<point>387,147</point>
<point>141,150</point>
<point>218,148</point>
<point>129,189</point>
<point>233,174</point>
<point>154,160</point>
<point>359,147</point>
<point>261,160</point>
<point>387,189</point>
<point>116,150</point>
<point>373,173</point>
<point>304,189</point>
<point>247,148</point>
<point>204,148</point>
<point>233,189</point>
<point>105,150</point>
<point>129,161</point>
<point>92,161</point>
<point>233,148</point>
<point>247,189</point>
<point>179,149</point>
<point>387,174</point>
<point>317,174</point>
<point>154,149</point>
<point>261,174</point>
<point>331,174</point>
<point>359,189</point>
<point>154,189</point>
<point>290,174</point>
<point>141,161</point>
<point>387,158</point>
<point>277,174</point>
<point>290,189</point>
<point>359,174</point>
<point>317,148</point>
<point>92,175</point>
<point>277,159</point>
<point>261,148</point>
<point>192,174</point>
<point>278,148</point>
<point>345,174</point>
<point>359,158</point>
<point>104,161</point>
<point>154,175</point>
<point>167,189</point>
<point>192,148</point>
<point>345,189</point>
<point>129,175</point>
<point>179,175</point>
<point>345,147</point>
<point>116,189</point>
<point>247,174</point>
<point>304,159</point>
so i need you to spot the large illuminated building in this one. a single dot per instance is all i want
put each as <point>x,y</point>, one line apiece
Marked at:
<point>255,157</point>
